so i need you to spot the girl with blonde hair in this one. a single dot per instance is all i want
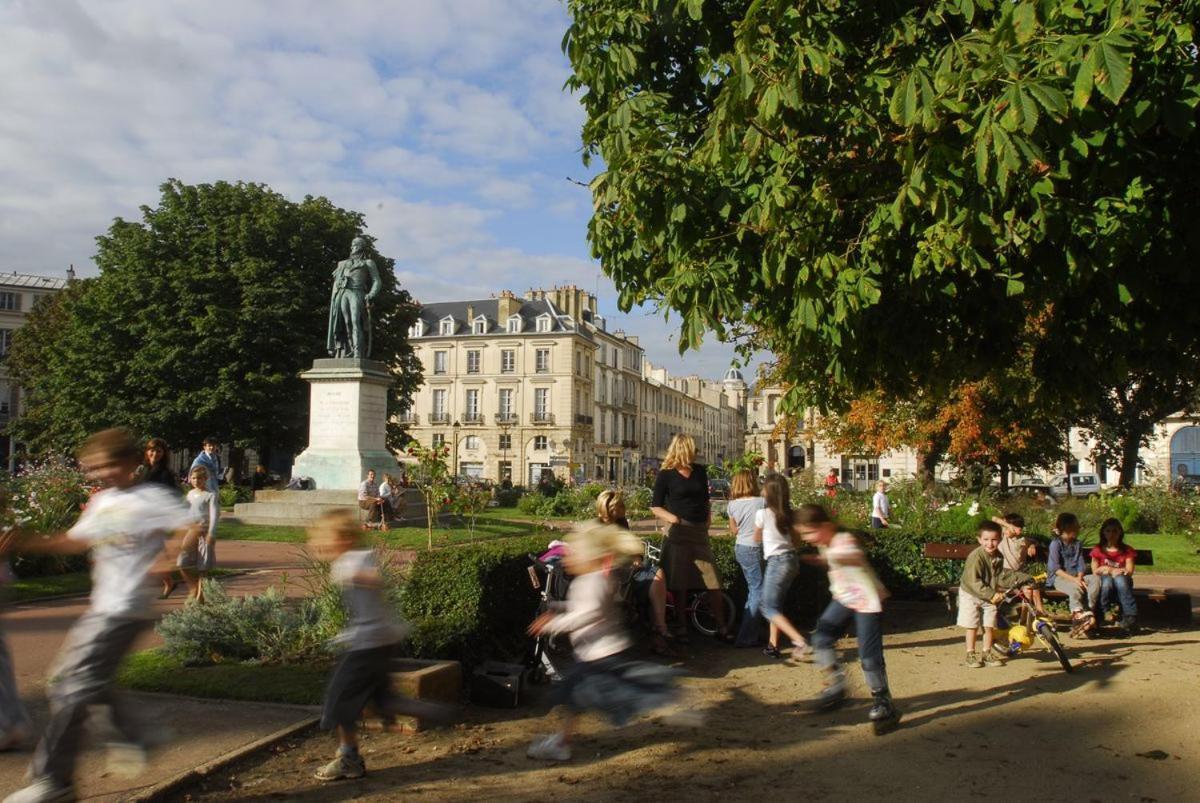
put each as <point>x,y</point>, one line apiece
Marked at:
<point>744,502</point>
<point>681,502</point>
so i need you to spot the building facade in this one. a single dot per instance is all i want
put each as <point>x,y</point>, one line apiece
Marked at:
<point>521,386</point>
<point>18,293</point>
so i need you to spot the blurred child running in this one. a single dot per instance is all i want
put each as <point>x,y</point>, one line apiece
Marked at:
<point>857,595</point>
<point>372,632</point>
<point>126,526</point>
<point>14,720</point>
<point>604,679</point>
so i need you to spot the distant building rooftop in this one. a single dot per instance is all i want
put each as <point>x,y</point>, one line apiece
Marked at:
<point>14,279</point>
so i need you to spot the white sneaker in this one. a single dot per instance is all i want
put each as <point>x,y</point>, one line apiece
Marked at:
<point>125,759</point>
<point>550,748</point>
<point>43,790</point>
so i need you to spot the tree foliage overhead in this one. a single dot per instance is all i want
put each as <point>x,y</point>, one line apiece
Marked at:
<point>203,316</point>
<point>888,192</point>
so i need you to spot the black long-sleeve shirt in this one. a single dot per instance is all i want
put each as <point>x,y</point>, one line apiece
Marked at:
<point>686,497</point>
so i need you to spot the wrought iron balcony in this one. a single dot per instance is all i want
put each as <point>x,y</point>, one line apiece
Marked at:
<point>542,417</point>
<point>506,417</point>
<point>472,418</point>
<point>409,418</point>
<point>439,417</point>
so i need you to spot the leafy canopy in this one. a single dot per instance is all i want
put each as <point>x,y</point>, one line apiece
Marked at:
<point>885,192</point>
<point>203,316</point>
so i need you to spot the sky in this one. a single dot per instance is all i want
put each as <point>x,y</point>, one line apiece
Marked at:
<point>444,121</point>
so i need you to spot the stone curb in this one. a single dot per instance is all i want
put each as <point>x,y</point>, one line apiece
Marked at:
<point>161,790</point>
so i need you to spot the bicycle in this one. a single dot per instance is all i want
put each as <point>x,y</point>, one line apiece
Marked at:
<point>697,609</point>
<point>1018,624</point>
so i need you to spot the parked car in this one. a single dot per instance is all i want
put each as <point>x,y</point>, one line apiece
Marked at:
<point>1028,488</point>
<point>1084,485</point>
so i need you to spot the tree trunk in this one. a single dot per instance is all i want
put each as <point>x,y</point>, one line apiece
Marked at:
<point>926,466</point>
<point>1131,441</point>
<point>1004,476</point>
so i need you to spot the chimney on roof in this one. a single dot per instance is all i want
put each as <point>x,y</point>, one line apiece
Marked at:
<point>70,273</point>
<point>470,314</point>
<point>507,306</point>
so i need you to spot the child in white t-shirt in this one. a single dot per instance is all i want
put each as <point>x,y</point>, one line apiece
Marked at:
<point>857,595</point>
<point>782,564</point>
<point>125,526</point>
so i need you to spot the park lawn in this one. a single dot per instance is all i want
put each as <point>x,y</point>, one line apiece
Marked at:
<point>408,537</point>
<point>1173,552</point>
<point>154,670</point>
<point>52,585</point>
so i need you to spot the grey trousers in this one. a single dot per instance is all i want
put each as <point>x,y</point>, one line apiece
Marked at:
<point>12,712</point>
<point>84,676</point>
<point>1078,600</point>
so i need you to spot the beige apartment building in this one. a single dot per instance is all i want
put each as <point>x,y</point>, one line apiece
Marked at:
<point>520,386</point>
<point>18,293</point>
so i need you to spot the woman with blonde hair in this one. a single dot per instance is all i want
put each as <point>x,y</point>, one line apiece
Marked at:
<point>744,502</point>
<point>649,584</point>
<point>681,502</point>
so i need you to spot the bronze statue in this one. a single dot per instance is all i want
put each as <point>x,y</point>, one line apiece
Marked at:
<point>355,283</point>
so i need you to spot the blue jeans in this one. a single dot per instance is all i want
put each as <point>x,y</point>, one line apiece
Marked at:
<point>782,569</point>
<point>749,557</point>
<point>869,627</point>
<point>1122,586</point>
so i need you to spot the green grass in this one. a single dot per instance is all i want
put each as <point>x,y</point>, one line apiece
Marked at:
<point>487,528</point>
<point>31,588</point>
<point>154,670</point>
<point>1173,552</point>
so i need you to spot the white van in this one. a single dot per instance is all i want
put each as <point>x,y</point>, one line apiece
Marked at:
<point>1081,485</point>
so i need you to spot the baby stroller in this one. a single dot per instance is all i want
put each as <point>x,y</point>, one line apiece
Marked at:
<point>549,655</point>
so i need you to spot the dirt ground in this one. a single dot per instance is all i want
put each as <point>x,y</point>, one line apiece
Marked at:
<point>1122,727</point>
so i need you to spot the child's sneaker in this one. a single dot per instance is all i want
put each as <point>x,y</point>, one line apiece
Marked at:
<point>991,659</point>
<point>973,661</point>
<point>1083,624</point>
<point>550,748</point>
<point>43,790</point>
<point>834,693</point>
<point>344,766</point>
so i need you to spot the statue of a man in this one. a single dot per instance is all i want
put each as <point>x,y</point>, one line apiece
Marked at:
<point>355,283</point>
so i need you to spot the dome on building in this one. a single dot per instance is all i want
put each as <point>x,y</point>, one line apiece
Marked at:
<point>734,375</point>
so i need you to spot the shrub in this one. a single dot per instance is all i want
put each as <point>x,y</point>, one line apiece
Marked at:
<point>509,497</point>
<point>234,494</point>
<point>263,627</point>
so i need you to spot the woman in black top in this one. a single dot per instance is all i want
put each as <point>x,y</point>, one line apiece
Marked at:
<point>681,501</point>
<point>156,467</point>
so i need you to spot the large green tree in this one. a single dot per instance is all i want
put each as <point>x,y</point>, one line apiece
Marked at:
<point>889,192</point>
<point>202,318</point>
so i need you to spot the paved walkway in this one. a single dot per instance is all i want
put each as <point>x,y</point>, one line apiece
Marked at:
<point>202,729</point>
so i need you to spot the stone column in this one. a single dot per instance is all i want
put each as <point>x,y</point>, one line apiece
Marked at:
<point>347,425</point>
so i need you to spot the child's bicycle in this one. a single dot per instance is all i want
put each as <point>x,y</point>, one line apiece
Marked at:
<point>697,609</point>
<point>1018,624</point>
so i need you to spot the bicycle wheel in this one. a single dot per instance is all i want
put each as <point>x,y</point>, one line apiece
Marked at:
<point>1050,639</point>
<point>702,616</point>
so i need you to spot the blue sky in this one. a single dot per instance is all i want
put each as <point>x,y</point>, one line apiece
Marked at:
<point>444,121</point>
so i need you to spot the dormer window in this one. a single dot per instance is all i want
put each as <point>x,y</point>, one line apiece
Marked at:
<point>514,324</point>
<point>543,323</point>
<point>479,325</point>
<point>446,326</point>
<point>417,329</point>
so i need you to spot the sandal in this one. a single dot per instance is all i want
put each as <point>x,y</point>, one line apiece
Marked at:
<point>771,651</point>
<point>168,590</point>
<point>661,647</point>
<point>800,652</point>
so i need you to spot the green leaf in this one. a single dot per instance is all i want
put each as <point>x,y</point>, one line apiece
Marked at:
<point>1083,82</point>
<point>1051,99</point>
<point>967,7</point>
<point>696,9</point>
<point>1123,294</point>
<point>1112,71</point>
<point>1014,287</point>
<point>982,154</point>
<point>912,105</point>
<point>1024,22</point>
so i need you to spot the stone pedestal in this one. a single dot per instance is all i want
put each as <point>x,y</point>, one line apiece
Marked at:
<point>347,424</point>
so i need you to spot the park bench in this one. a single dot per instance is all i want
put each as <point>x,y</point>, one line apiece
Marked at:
<point>1162,601</point>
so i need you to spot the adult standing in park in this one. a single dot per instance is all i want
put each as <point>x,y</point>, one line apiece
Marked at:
<point>157,465</point>
<point>681,502</point>
<point>355,283</point>
<point>881,508</point>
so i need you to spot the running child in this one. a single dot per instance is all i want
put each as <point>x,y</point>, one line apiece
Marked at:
<point>773,529</point>
<point>981,587</point>
<point>857,595</point>
<point>1067,571</point>
<point>363,673</point>
<point>126,526</point>
<point>603,679</point>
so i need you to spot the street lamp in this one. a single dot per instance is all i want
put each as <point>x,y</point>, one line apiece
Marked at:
<point>754,434</point>
<point>504,443</point>
<point>454,471</point>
